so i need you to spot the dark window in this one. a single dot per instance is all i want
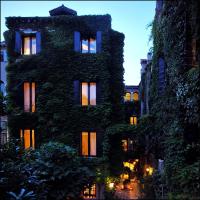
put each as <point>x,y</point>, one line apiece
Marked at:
<point>2,57</point>
<point>29,44</point>
<point>161,75</point>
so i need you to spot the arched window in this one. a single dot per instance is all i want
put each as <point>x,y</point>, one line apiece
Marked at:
<point>127,96</point>
<point>135,96</point>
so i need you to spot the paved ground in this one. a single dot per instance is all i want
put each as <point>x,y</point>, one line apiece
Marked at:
<point>132,191</point>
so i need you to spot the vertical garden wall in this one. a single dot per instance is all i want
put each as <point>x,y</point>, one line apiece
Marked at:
<point>175,108</point>
<point>59,116</point>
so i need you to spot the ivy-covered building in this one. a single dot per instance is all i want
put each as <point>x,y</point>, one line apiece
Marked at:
<point>144,85</point>
<point>65,79</point>
<point>132,104</point>
<point>173,89</point>
<point>3,118</point>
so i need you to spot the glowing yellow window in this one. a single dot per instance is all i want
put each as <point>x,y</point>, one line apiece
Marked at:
<point>88,93</point>
<point>88,144</point>
<point>29,97</point>
<point>127,96</point>
<point>133,120</point>
<point>135,96</point>
<point>89,192</point>
<point>29,45</point>
<point>27,137</point>
<point>84,143</point>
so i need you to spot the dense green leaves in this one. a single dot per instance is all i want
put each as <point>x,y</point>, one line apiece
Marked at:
<point>52,172</point>
<point>176,112</point>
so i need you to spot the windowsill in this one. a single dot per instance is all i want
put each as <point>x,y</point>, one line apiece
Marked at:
<point>88,157</point>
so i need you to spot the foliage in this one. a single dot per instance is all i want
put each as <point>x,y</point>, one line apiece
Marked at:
<point>22,195</point>
<point>176,111</point>
<point>112,146</point>
<point>52,172</point>
<point>2,104</point>
<point>55,69</point>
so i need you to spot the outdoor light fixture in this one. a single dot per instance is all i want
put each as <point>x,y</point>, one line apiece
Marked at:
<point>111,185</point>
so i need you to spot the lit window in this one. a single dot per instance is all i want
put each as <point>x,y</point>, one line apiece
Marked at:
<point>29,97</point>
<point>89,192</point>
<point>127,96</point>
<point>125,145</point>
<point>135,96</point>
<point>88,45</point>
<point>29,45</point>
<point>88,143</point>
<point>133,120</point>
<point>88,93</point>
<point>27,137</point>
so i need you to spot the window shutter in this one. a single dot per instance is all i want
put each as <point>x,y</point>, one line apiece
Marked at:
<point>99,41</point>
<point>38,42</point>
<point>76,92</point>
<point>98,93</point>
<point>18,42</point>
<point>77,41</point>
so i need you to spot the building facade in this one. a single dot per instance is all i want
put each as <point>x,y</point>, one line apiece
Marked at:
<point>3,117</point>
<point>169,88</point>
<point>64,81</point>
<point>132,104</point>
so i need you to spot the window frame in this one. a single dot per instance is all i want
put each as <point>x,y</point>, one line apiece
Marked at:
<point>30,36</point>
<point>88,93</point>
<point>88,143</point>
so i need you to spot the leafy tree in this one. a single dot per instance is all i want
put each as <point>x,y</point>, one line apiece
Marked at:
<point>54,171</point>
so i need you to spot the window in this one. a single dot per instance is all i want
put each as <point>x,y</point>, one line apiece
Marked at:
<point>135,96</point>
<point>27,137</point>
<point>133,120</point>
<point>127,96</point>
<point>89,192</point>
<point>88,143</point>
<point>88,93</point>
<point>29,97</point>
<point>88,45</point>
<point>28,44</point>
<point>127,145</point>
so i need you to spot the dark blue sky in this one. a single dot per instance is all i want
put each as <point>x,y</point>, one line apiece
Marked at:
<point>128,17</point>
